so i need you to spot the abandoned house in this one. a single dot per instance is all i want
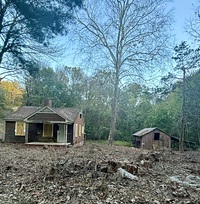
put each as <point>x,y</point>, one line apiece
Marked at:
<point>45,124</point>
<point>151,138</point>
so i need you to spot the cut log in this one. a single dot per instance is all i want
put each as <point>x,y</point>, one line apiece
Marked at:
<point>125,174</point>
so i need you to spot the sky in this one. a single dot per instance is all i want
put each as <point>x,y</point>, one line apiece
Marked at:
<point>184,9</point>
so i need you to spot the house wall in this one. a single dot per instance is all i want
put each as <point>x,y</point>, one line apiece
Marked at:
<point>46,117</point>
<point>79,140</point>
<point>10,133</point>
<point>35,129</point>
<point>148,141</point>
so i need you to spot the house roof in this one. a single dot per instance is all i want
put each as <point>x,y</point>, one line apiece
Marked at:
<point>24,112</point>
<point>68,113</point>
<point>144,131</point>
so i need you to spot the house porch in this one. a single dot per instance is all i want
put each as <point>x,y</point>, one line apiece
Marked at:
<point>51,133</point>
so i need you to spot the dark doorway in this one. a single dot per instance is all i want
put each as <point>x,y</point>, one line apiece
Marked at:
<point>55,130</point>
<point>156,136</point>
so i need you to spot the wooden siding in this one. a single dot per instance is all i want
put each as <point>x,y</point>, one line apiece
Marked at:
<point>80,122</point>
<point>148,141</point>
<point>34,128</point>
<point>10,134</point>
<point>46,117</point>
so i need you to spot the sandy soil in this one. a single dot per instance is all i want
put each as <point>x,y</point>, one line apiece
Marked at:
<point>30,175</point>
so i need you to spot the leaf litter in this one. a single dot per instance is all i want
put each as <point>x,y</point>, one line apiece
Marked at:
<point>91,174</point>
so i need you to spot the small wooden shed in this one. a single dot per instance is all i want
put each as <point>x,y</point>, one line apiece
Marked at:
<point>151,138</point>
<point>45,124</point>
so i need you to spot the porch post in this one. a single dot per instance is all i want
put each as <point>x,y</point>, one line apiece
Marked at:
<point>66,133</point>
<point>26,134</point>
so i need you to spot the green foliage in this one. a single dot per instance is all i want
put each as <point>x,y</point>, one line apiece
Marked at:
<point>116,142</point>
<point>139,107</point>
<point>27,29</point>
<point>43,85</point>
<point>135,104</point>
<point>73,79</point>
<point>123,143</point>
<point>65,90</point>
<point>193,107</point>
<point>5,103</point>
<point>46,18</point>
<point>97,105</point>
<point>97,141</point>
<point>166,114</point>
<point>2,102</point>
<point>187,60</point>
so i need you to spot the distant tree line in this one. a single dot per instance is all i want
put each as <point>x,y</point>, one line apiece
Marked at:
<point>139,106</point>
<point>131,40</point>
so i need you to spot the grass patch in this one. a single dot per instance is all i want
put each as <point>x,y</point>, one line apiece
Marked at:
<point>96,141</point>
<point>123,143</point>
<point>117,142</point>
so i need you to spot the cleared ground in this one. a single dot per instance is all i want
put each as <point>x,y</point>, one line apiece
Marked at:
<point>31,174</point>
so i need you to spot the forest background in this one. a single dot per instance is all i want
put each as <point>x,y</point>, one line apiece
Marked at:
<point>166,95</point>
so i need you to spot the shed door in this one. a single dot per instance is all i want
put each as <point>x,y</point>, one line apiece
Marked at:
<point>61,133</point>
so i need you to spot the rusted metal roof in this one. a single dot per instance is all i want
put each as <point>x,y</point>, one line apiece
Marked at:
<point>144,131</point>
<point>70,114</point>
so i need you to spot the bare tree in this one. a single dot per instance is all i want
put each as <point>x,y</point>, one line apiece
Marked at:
<point>192,26</point>
<point>126,35</point>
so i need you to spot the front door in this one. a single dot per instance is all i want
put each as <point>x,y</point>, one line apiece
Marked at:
<point>61,136</point>
<point>48,130</point>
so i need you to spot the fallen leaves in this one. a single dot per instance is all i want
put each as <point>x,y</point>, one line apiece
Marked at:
<point>88,174</point>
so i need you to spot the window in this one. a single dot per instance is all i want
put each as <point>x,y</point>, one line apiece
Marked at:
<point>157,136</point>
<point>20,128</point>
<point>83,129</point>
<point>76,130</point>
<point>48,130</point>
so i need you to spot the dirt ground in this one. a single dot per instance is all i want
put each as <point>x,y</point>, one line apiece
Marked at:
<point>87,174</point>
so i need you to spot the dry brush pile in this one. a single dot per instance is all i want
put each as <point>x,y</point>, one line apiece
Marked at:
<point>89,174</point>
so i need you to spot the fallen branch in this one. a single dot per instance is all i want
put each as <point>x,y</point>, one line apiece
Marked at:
<point>125,174</point>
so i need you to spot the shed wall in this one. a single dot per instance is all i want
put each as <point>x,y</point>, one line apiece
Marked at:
<point>148,141</point>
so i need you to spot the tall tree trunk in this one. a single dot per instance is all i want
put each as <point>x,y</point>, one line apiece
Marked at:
<point>114,110</point>
<point>198,137</point>
<point>183,119</point>
<point>122,39</point>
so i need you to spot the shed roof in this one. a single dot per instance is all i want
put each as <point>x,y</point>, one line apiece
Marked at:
<point>144,131</point>
<point>23,112</point>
